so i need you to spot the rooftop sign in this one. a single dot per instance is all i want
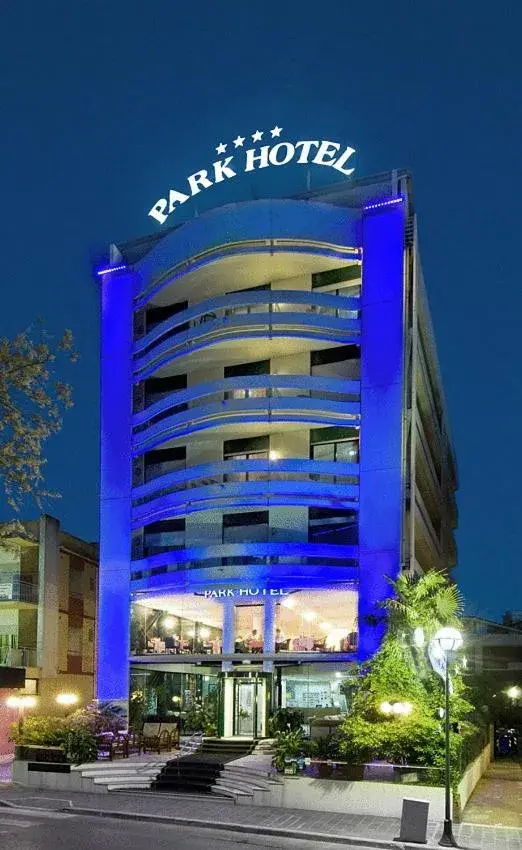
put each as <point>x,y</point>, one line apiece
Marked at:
<point>243,158</point>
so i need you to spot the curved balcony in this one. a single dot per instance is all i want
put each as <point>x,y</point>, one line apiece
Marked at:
<point>287,237</point>
<point>239,316</point>
<point>227,485</point>
<point>273,400</point>
<point>280,561</point>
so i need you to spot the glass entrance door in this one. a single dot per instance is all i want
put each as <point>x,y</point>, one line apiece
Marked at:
<point>245,707</point>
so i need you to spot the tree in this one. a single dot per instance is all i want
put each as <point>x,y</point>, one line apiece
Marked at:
<point>400,673</point>
<point>32,399</point>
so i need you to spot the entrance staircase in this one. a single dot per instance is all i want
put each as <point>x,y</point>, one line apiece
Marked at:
<point>219,766</point>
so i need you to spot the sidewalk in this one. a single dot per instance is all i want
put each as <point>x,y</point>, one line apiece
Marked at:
<point>497,798</point>
<point>202,810</point>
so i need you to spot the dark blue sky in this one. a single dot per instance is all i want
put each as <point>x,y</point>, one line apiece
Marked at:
<point>106,102</point>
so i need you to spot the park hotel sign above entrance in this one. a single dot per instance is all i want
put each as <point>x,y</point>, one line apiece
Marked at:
<point>261,149</point>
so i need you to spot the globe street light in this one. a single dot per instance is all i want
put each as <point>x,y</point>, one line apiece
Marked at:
<point>448,640</point>
<point>514,693</point>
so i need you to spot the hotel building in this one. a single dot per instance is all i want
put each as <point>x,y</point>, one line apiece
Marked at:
<point>274,448</point>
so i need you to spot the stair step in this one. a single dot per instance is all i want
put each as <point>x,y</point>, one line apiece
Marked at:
<point>119,786</point>
<point>233,782</point>
<point>223,791</point>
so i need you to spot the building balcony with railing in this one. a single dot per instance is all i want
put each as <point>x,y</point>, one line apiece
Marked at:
<point>272,400</point>
<point>14,590</point>
<point>223,322</point>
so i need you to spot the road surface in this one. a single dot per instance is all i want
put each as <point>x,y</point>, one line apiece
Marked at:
<point>30,829</point>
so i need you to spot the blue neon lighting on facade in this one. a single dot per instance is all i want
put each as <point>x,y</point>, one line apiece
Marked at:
<point>382,399</point>
<point>112,679</point>
<point>386,202</point>
<point>109,270</point>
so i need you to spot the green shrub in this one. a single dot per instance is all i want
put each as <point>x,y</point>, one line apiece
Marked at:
<point>288,745</point>
<point>40,730</point>
<point>202,716</point>
<point>81,746</point>
<point>285,720</point>
<point>328,747</point>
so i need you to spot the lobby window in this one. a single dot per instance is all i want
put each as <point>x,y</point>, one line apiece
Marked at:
<point>259,367</point>
<point>164,536</point>
<point>317,621</point>
<point>333,525</point>
<point>253,448</point>
<point>248,635</point>
<point>341,362</point>
<point>160,461</point>
<point>176,624</point>
<point>314,692</point>
<point>248,527</point>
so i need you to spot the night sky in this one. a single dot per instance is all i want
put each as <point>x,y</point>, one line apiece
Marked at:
<point>107,103</point>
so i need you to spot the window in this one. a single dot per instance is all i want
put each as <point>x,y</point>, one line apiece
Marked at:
<point>346,451</point>
<point>158,388</point>
<point>337,444</point>
<point>156,315</point>
<point>333,525</point>
<point>161,461</point>
<point>164,536</point>
<point>317,621</point>
<point>330,279</point>
<point>341,362</point>
<point>259,367</point>
<point>248,527</point>
<point>177,624</point>
<point>255,448</point>
<point>248,635</point>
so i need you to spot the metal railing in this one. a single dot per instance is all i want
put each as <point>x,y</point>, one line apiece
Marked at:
<point>13,589</point>
<point>20,657</point>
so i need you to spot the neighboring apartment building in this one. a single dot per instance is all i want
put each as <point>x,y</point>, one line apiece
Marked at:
<point>496,648</point>
<point>274,445</point>
<point>48,591</point>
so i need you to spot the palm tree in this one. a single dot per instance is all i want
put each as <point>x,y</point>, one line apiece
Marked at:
<point>428,602</point>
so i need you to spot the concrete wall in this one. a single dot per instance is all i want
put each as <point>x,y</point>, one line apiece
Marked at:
<point>358,798</point>
<point>473,773</point>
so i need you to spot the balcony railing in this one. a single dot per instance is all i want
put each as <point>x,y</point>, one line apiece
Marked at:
<point>12,589</point>
<point>237,308</point>
<point>20,657</point>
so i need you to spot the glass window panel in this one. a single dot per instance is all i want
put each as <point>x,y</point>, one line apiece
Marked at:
<point>317,621</point>
<point>248,635</point>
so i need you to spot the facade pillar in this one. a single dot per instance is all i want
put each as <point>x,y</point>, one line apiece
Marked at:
<point>112,680</point>
<point>382,379</point>
<point>229,623</point>
<point>269,620</point>
<point>48,623</point>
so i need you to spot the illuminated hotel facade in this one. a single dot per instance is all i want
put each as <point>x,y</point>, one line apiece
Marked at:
<point>274,446</point>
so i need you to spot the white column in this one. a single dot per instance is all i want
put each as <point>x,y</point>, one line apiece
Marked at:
<point>228,627</point>
<point>269,625</point>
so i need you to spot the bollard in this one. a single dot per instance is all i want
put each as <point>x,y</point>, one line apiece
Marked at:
<point>414,821</point>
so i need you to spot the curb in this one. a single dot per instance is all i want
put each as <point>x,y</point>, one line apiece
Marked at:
<point>252,829</point>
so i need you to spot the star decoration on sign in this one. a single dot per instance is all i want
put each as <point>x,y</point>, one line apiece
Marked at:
<point>238,143</point>
<point>257,136</point>
<point>276,131</point>
<point>221,148</point>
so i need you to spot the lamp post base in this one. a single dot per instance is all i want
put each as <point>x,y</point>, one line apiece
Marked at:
<point>447,838</point>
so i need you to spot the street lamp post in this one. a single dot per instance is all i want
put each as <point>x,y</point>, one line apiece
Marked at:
<point>449,640</point>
